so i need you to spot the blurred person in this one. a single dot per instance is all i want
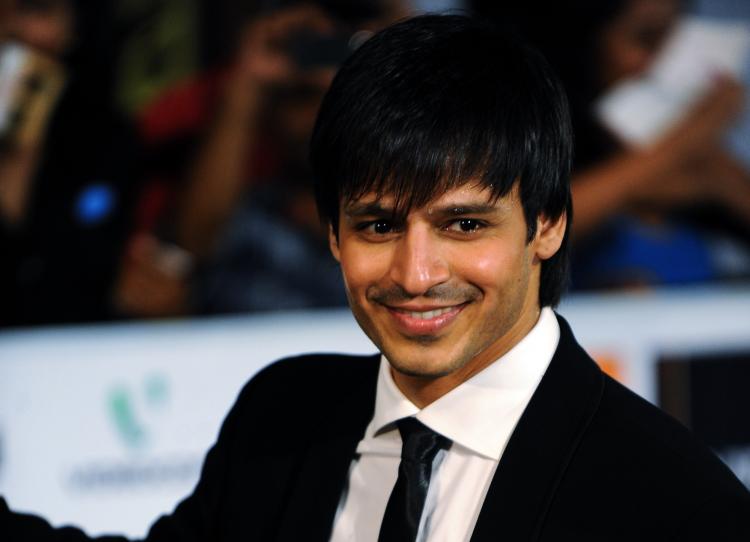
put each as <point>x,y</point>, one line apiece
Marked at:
<point>244,228</point>
<point>644,216</point>
<point>481,418</point>
<point>67,185</point>
<point>46,34</point>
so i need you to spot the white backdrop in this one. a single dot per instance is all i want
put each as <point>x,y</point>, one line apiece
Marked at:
<point>105,427</point>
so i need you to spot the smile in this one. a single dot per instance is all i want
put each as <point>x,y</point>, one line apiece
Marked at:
<point>424,321</point>
<point>427,315</point>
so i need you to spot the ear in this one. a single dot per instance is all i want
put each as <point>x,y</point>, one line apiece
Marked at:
<point>333,244</point>
<point>549,235</point>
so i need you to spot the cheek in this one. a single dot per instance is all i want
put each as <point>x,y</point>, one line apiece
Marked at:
<point>361,268</point>
<point>490,267</point>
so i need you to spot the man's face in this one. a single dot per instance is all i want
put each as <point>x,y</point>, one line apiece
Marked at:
<point>448,288</point>
<point>630,43</point>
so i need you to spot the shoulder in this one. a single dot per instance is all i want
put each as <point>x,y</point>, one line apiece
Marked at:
<point>644,432</point>
<point>313,373</point>
<point>626,428</point>
<point>303,390</point>
<point>635,461</point>
<point>649,464</point>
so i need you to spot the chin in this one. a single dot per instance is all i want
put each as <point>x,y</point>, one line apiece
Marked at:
<point>418,372</point>
<point>423,366</point>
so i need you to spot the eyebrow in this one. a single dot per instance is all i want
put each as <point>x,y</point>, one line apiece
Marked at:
<point>455,209</point>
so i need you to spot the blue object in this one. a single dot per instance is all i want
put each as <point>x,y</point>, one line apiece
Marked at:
<point>633,253</point>
<point>94,204</point>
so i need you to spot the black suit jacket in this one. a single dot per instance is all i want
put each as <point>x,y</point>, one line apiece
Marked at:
<point>588,461</point>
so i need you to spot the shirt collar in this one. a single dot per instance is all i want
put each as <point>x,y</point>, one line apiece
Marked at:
<point>493,399</point>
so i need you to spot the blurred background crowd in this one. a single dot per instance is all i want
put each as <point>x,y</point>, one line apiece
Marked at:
<point>153,158</point>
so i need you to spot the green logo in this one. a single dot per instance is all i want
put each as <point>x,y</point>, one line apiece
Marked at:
<point>129,409</point>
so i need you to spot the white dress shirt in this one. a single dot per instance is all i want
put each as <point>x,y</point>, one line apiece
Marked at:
<point>479,416</point>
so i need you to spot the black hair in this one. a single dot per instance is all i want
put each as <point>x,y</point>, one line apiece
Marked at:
<point>436,101</point>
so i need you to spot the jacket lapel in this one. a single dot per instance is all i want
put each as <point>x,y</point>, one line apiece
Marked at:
<point>312,505</point>
<point>542,445</point>
<point>324,468</point>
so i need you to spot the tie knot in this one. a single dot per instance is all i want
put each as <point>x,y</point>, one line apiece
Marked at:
<point>420,443</point>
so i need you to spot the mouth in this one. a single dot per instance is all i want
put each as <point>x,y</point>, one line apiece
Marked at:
<point>424,320</point>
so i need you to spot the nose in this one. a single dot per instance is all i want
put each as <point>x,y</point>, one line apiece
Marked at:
<point>417,263</point>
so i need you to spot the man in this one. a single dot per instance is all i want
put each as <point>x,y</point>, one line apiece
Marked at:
<point>441,155</point>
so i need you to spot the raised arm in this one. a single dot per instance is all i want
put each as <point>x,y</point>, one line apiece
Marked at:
<point>684,166</point>
<point>217,177</point>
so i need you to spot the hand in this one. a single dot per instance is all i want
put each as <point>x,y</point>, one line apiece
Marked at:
<point>686,162</point>
<point>705,123</point>
<point>713,176</point>
<point>153,281</point>
<point>262,59</point>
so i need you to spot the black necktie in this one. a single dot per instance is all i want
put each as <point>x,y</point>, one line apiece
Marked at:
<point>404,509</point>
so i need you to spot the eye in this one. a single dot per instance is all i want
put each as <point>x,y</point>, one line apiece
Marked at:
<point>381,227</point>
<point>465,225</point>
<point>376,227</point>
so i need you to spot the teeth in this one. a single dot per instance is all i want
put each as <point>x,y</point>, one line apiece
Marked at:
<point>427,315</point>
